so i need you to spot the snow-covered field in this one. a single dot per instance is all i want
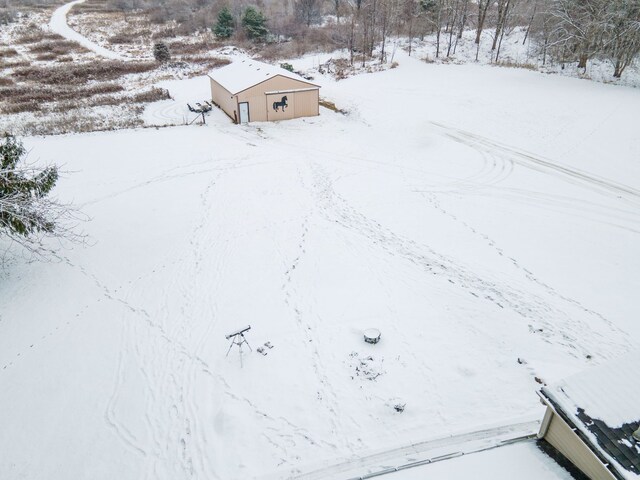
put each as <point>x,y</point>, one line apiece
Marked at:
<point>523,462</point>
<point>476,216</point>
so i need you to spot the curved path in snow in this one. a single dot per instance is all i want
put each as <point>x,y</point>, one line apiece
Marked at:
<point>58,24</point>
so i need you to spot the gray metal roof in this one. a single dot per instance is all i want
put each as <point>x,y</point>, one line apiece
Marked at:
<point>603,403</point>
<point>616,442</point>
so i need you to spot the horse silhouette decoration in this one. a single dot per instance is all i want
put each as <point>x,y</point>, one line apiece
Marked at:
<point>282,103</point>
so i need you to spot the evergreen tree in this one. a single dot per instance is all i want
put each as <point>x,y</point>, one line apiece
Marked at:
<point>224,26</point>
<point>161,52</point>
<point>254,23</point>
<point>25,211</point>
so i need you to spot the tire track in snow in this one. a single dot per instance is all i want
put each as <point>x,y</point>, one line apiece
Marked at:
<point>626,219</point>
<point>585,179</point>
<point>553,325</point>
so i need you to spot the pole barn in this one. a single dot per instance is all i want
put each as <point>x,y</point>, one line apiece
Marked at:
<point>250,91</point>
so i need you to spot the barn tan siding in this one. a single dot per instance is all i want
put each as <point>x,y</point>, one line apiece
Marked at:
<point>261,105</point>
<point>223,97</point>
<point>307,103</point>
<point>563,438</point>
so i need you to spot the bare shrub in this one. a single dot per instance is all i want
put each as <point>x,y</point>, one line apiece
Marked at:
<point>59,47</point>
<point>64,59</point>
<point>46,94</point>
<point>7,16</point>
<point>29,38</point>
<point>167,32</point>
<point>100,6</point>
<point>125,38</point>
<point>272,52</point>
<point>16,64</point>
<point>29,106</point>
<point>82,73</point>
<point>34,34</point>
<point>6,81</point>
<point>209,61</point>
<point>185,48</point>
<point>511,64</point>
<point>8,52</point>
<point>43,57</point>
<point>152,95</point>
<point>81,120</point>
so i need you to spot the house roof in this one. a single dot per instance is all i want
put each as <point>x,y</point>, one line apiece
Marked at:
<point>603,402</point>
<point>245,73</point>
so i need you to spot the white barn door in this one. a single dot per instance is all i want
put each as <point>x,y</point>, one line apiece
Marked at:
<point>244,112</point>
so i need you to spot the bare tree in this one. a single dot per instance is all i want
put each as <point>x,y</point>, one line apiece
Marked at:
<point>307,11</point>
<point>579,27</point>
<point>502,23</point>
<point>389,14</point>
<point>623,43</point>
<point>483,6</point>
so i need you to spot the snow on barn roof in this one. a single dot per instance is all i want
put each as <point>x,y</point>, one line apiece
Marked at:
<point>242,74</point>
<point>603,402</point>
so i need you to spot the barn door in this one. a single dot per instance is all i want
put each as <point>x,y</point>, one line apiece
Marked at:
<point>244,112</point>
<point>280,106</point>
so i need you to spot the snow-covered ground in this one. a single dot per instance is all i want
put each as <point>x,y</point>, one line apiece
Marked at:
<point>485,220</point>
<point>524,462</point>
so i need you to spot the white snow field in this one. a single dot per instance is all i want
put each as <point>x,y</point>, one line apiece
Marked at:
<point>474,215</point>
<point>524,462</point>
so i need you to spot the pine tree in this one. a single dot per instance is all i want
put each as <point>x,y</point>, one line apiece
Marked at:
<point>254,23</point>
<point>161,52</point>
<point>25,211</point>
<point>224,26</point>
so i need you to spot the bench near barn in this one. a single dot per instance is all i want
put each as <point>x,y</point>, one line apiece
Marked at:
<point>250,91</point>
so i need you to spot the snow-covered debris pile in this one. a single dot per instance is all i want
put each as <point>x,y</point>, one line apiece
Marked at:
<point>365,367</point>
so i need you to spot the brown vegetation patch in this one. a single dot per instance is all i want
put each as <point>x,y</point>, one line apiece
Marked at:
<point>8,52</point>
<point>94,6</point>
<point>82,73</point>
<point>58,47</point>
<point>28,106</point>
<point>33,34</point>
<point>82,121</point>
<point>153,95</point>
<point>208,61</point>
<point>16,64</point>
<point>183,48</point>
<point>46,57</point>
<point>5,81</point>
<point>125,38</point>
<point>331,106</point>
<point>43,94</point>
<point>510,64</point>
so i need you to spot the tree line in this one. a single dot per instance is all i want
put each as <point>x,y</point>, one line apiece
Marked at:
<point>562,31</point>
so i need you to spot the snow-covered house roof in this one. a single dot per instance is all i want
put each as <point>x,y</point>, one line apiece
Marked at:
<point>603,403</point>
<point>245,73</point>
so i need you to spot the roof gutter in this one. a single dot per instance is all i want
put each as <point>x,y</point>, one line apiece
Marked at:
<point>600,456</point>
<point>294,90</point>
